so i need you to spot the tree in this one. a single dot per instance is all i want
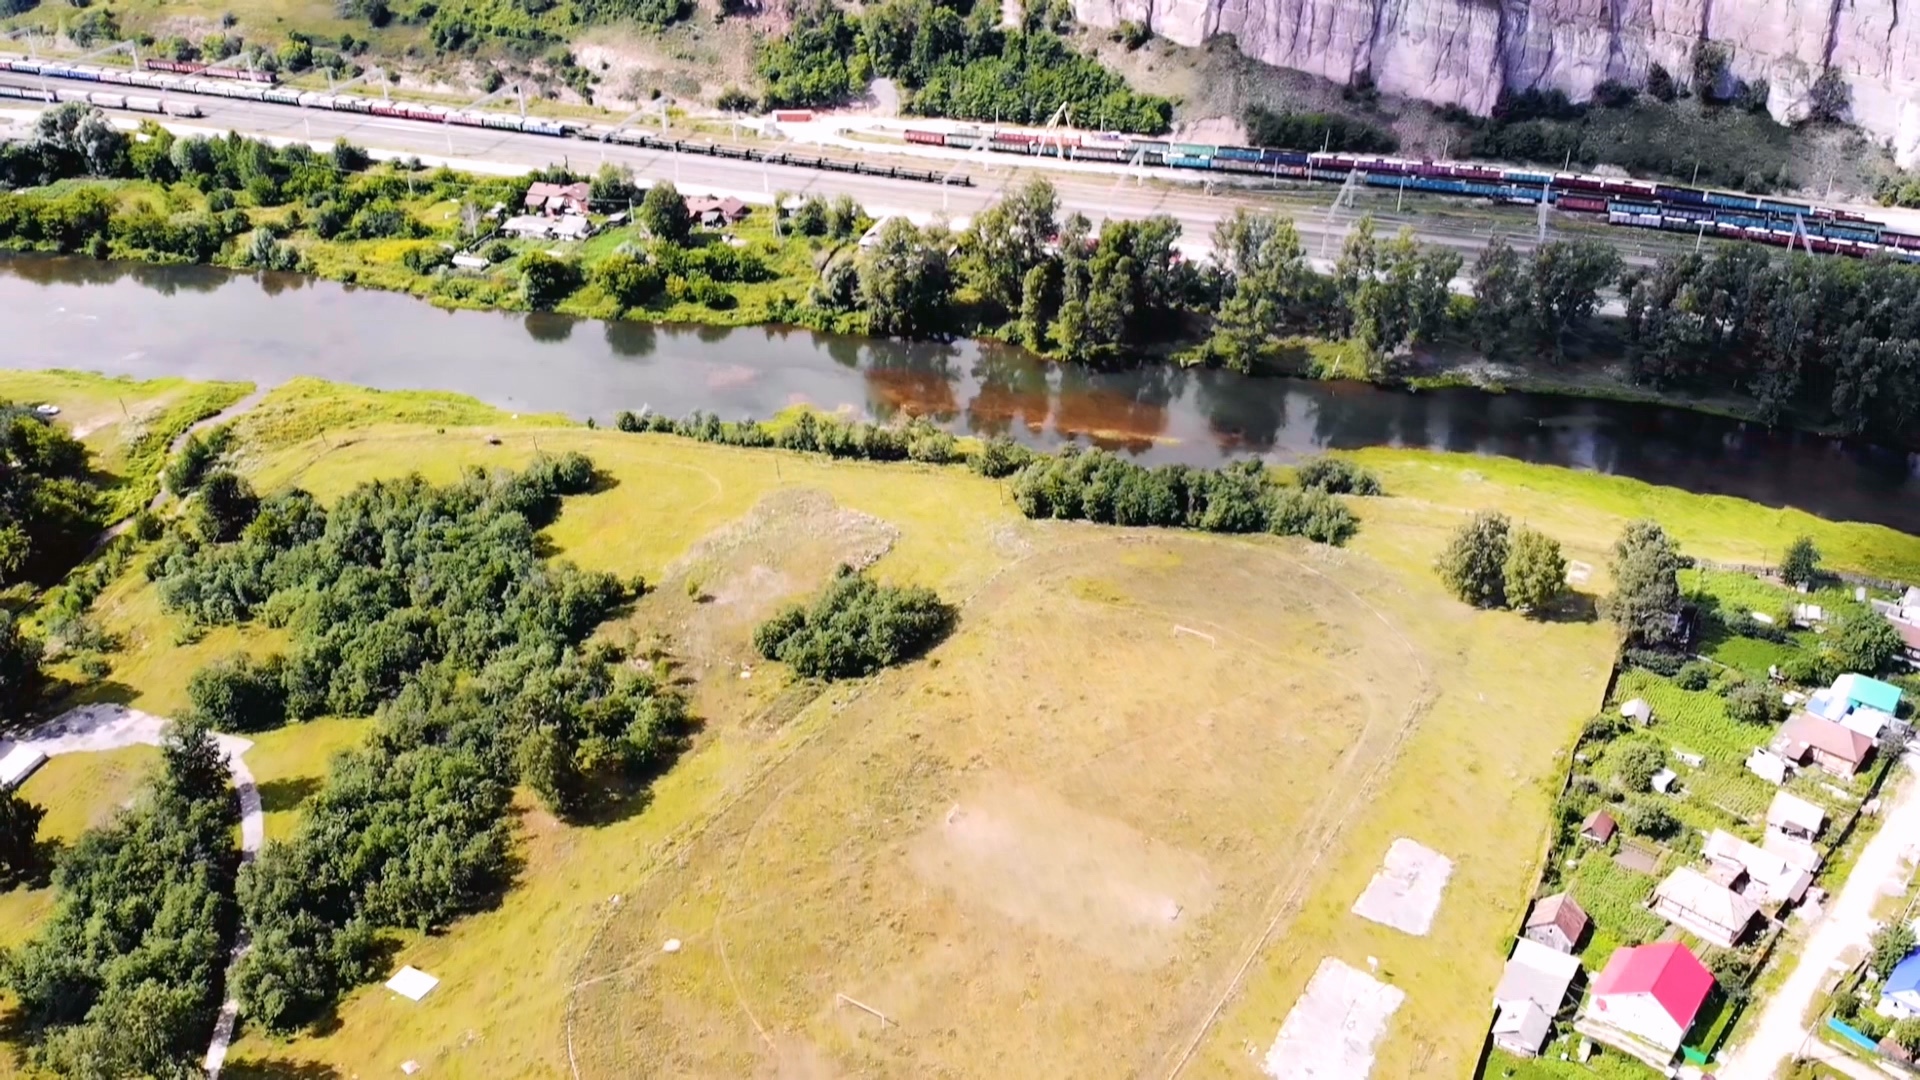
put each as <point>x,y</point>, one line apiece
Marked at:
<point>613,184</point>
<point>1889,945</point>
<point>1272,288</point>
<point>82,140</point>
<point>626,280</point>
<point>1645,816</point>
<point>1036,296</point>
<point>1830,99</point>
<point>1906,1032</point>
<point>1864,642</point>
<point>1007,240</point>
<point>1502,317</point>
<point>1646,584</point>
<point>545,280</point>
<point>1801,564</point>
<point>664,213</point>
<point>1751,702</point>
<point>1660,84</point>
<point>905,284</point>
<point>1536,573</point>
<point>19,667</point>
<point>1473,566</point>
<point>19,837</point>
<point>224,506</point>
<point>1564,283</point>
<point>1635,762</point>
<point>854,627</point>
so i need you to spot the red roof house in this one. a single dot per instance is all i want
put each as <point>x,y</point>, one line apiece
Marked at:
<point>1806,737</point>
<point>1646,999</point>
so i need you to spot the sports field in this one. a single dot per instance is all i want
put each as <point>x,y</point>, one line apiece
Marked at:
<point>1111,827</point>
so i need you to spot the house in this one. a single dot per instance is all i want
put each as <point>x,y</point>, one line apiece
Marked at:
<point>1909,632</point>
<point>1638,711</point>
<point>1598,828</point>
<point>526,227</point>
<point>1900,994</point>
<point>1867,721</point>
<point>1806,738</point>
<point>1556,922</point>
<point>1645,1000</point>
<point>1537,974</point>
<point>1707,909</point>
<point>1521,1028</point>
<point>1793,852</point>
<point>572,227</point>
<point>715,213</point>
<point>564,227</point>
<point>1792,816</point>
<point>1860,691</point>
<point>556,199</point>
<point>1768,766</point>
<point>1770,878</point>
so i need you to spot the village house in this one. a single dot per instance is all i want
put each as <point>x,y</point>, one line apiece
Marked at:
<point>1864,692</point>
<point>1792,816</point>
<point>716,213</point>
<point>1900,994</point>
<point>1763,876</point>
<point>1533,988</point>
<point>554,200</point>
<point>1704,907</point>
<point>1645,1001</point>
<point>1556,922</point>
<point>1808,739</point>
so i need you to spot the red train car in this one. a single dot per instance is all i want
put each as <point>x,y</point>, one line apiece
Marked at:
<point>1584,204</point>
<point>928,138</point>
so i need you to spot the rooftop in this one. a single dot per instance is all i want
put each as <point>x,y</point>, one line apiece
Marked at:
<point>1538,974</point>
<point>1792,810</point>
<point>1863,690</point>
<point>1692,891</point>
<point>1806,729</point>
<point>1667,970</point>
<point>1559,910</point>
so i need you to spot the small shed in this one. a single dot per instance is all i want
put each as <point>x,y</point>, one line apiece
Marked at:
<point>19,763</point>
<point>1792,816</point>
<point>1768,766</point>
<point>1598,828</point>
<point>470,262</point>
<point>1663,781</point>
<point>1638,711</point>
<point>1557,922</point>
<point>1521,1028</point>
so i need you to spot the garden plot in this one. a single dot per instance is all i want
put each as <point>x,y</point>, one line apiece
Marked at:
<point>1332,1031</point>
<point>1406,893</point>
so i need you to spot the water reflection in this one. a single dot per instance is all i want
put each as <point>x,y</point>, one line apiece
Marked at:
<point>204,323</point>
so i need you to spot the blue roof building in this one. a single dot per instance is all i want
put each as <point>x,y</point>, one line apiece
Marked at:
<point>1901,992</point>
<point>1861,690</point>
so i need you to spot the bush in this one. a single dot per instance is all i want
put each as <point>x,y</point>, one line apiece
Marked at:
<point>498,252</point>
<point>1645,815</point>
<point>1751,702</point>
<point>999,457</point>
<point>1313,514</point>
<point>1635,762</point>
<point>1312,131</point>
<point>855,627</point>
<point>1694,675</point>
<point>1337,476</point>
<point>1473,565</point>
<point>238,695</point>
<point>1654,660</point>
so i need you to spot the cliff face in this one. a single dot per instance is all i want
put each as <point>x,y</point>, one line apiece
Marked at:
<point>1465,52</point>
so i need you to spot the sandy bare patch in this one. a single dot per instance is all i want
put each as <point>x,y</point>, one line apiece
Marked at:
<point>1098,883</point>
<point>1405,892</point>
<point>1331,1032</point>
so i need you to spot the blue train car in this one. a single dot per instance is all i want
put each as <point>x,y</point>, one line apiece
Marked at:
<point>1284,157</point>
<point>1237,153</point>
<point>1186,161</point>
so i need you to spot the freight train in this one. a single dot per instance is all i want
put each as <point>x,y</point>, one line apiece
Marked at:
<point>104,100</point>
<point>1616,200</point>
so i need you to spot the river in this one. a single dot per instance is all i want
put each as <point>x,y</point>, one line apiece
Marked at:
<point>204,323</point>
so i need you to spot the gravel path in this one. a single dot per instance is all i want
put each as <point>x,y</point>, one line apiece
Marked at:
<point>1779,1036</point>
<point>153,505</point>
<point>93,728</point>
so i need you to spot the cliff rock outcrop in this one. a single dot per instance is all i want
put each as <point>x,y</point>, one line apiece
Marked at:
<point>1465,52</point>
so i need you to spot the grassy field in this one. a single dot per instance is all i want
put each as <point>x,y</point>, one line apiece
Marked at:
<point>127,423</point>
<point>1071,838</point>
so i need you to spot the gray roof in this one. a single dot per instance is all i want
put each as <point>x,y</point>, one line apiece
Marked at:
<point>1538,974</point>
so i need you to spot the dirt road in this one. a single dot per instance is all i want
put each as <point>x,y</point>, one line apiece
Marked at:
<point>1779,1035</point>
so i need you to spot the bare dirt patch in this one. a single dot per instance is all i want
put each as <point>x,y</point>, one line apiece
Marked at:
<point>1332,1031</point>
<point>1078,876</point>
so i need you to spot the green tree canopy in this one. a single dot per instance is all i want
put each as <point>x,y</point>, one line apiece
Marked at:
<point>1473,566</point>
<point>1801,563</point>
<point>664,213</point>
<point>1646,584</point>
<point>905,283</point>
<point>1535,574</point>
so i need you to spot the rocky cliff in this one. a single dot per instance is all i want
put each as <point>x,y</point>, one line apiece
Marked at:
<point>1466,52</point>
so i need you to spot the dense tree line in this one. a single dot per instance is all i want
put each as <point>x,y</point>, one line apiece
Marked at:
<point>1313,131</point>
<point>127,975</point>
<point>1095,485</point>
<point>50,509</point>
<point>1835,339</point>
<point>916,440</point>
<point>953,59</point>
<point>855,627</point>
<point>431,607</point>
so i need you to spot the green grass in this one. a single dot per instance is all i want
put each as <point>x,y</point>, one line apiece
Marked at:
<point>1586,510</point>
<point>1722,793</point>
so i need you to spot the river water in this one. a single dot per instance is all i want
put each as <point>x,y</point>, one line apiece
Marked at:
<point>202,323</point>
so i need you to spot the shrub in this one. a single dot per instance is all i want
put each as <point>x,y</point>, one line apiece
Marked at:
<point>1635,762</point>
<point>1694,675</point>
<point>1000,456</point>
<point>1337,476</point>
<point>1654,660</point>
<point>1645,815</point>
<point>855,627</point>
<point>1313,514</point>
<point>238,695</point>
<point>1751,702</point>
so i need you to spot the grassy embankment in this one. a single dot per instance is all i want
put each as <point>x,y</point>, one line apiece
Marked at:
<point>1069,821</point>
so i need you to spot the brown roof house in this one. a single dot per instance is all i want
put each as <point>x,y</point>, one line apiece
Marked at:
<point>1556,922</point>
<point>1809,739</point>
<point>713,213</point>
<point>1598,828</point>
<point>1709,910</point>
<point>556,199</point>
